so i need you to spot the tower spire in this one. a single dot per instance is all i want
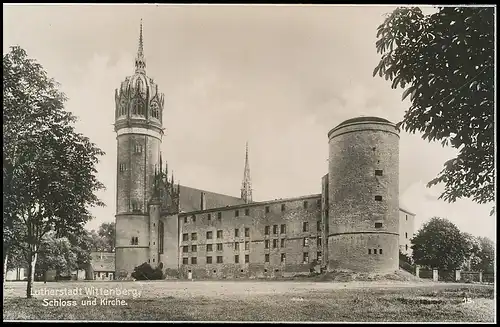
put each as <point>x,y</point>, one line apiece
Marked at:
<point>246,186</point>
<point>140,62</point>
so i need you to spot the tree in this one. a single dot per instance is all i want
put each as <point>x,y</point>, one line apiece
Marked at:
<point>486,255</point>
<point>446,63</point>
<point>49,169</point>
<point>56,253</point>
<point>107,233</point>
<point>440,244</point>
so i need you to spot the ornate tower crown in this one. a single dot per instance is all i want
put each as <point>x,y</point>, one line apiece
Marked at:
<point>138,97</point>
<point>246,185</point>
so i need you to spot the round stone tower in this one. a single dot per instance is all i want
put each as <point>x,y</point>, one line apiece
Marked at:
<point>139,130</point>
<point>363,197</point>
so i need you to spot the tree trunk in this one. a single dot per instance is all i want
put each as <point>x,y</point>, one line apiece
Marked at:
<point>5,262</point>
<point>31,270</point>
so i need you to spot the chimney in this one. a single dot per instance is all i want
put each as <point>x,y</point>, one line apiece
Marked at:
<point>203,202</point>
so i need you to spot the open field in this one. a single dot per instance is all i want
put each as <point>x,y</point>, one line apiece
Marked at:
<point>254,301</point>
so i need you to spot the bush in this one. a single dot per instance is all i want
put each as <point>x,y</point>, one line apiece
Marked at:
<point>146,272</point>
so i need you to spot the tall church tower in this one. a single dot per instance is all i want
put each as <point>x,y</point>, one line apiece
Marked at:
<point>246,185</point>
<point>139,132</point>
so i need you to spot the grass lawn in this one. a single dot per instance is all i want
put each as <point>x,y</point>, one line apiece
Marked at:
<point>257,301</point>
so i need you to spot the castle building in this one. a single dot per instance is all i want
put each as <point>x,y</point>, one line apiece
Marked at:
<point>355,223</point>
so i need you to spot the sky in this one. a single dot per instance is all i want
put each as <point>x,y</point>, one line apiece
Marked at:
<point>279,77</point>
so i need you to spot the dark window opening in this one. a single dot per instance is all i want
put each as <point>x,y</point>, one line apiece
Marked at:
<point>241,270</point>
<point>406,235</point>
<point>209,259</point>
<point>236,232</point>
<point>185,261</point>
<point>209,235</point>
<point>406,246</point>
<point>209,217</point>
<point>266,257</point>
<point>369,251</point>
<point>236,213</point>
<point>219,259</point>
<point>194,218</point>
<point>378,197</point>
<point>378,172</point>
<point>209,247</point>
<point>194,248</point>
<point>236,259</point>
<point>378,225</point>
<point>275,229</point>
<point>267,209</point>
<point>247,258</point>
<point>247,212</point>
<point>374,251</point>
<point>283,207</point>
<point>266,230</point>
<point>380,251</point>
<point>276,270</point>
<point>305,226</point>
<point>266,244</point>
<point>185,220</point>
<point>215,271</point>
<point>219,215</point>
<point>193,260</point>
<point>194,236</point>
<point>247,232</point>
<point>265,270</point>
<point>283,229</point>
<point>305,204</point>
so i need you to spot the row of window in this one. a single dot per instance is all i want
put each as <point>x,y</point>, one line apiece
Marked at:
<point>374,251</point>
<point>209,234</point>
<point>247,211</point>
<point>219,258</point>
<point>139,108</point>
<point>209,247</point>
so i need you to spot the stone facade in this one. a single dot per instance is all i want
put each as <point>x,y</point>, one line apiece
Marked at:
<point>354,223</point>
<point>406,231</point>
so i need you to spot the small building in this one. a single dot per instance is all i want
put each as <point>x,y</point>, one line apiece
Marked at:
<point>102,266</point>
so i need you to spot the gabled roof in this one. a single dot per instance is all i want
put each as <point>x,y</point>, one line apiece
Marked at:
<point>190,199</point>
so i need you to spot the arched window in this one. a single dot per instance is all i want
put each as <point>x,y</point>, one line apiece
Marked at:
<point>155,110</point>
<point>140,108</point>
<point>133,104</point>
<point>161,233</point>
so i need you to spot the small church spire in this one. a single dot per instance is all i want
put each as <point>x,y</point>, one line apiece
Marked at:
<point>140,62</point>
<point>246,186</point>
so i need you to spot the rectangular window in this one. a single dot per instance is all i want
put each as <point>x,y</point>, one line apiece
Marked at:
<point>185,237</point>
<point>194,236</point>
<point>275,243</point>
<point>275,229</point>
<point>318,240</point>
<point>283,229</point>
<point>219,246</point>
<point>266,244</point>
<point>406,217</point>
<point>318,203</point>
<point>247,246</point>
<point>236,259</point>
<point>193,260</point>
<point>266,230</point>
<point>236,232</point>
<point>209,235</point>
<point>378,225</point>
<point>380,251</point>
<point>247,258</point>
<point>219,233</point>
<point>267,209</point>
<point>209,248</point>
<point>266,257</point>
<point>194,248</point>
<point>319,256</point>
<point>369,251</point>
<point>185,249</point>
<point>306,257</point>
<point>209,259</point>
<point>305,226</point>
<point>236,213</point>
<point>318,226</point>
<point>247,212</point>
<point>406,235</point>
<point>247,232</point>
<point>282,243</point>
<point>123,167</point>
<point>209,217</point>
<point>194,218</point>
<point>185,220</point>
<point>283,257</point>
<point>185,261</point>
<point>374,251</point>
<point>305,204</point>
<point>378,172</point>
<point>219,259</point>
<point>378,197</point>
<point>283,207</point>
<point>219,216</point>
<point>305,241</point>
<point>236,245</point>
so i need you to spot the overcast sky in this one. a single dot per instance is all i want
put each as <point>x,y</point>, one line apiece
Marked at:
<point>278,77</point>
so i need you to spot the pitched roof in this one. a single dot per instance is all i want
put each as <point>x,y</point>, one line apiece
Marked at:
<point>190,199</point>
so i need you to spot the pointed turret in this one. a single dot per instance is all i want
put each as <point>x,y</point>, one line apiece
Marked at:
<point>140,61</point>
<point>246,186</point>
